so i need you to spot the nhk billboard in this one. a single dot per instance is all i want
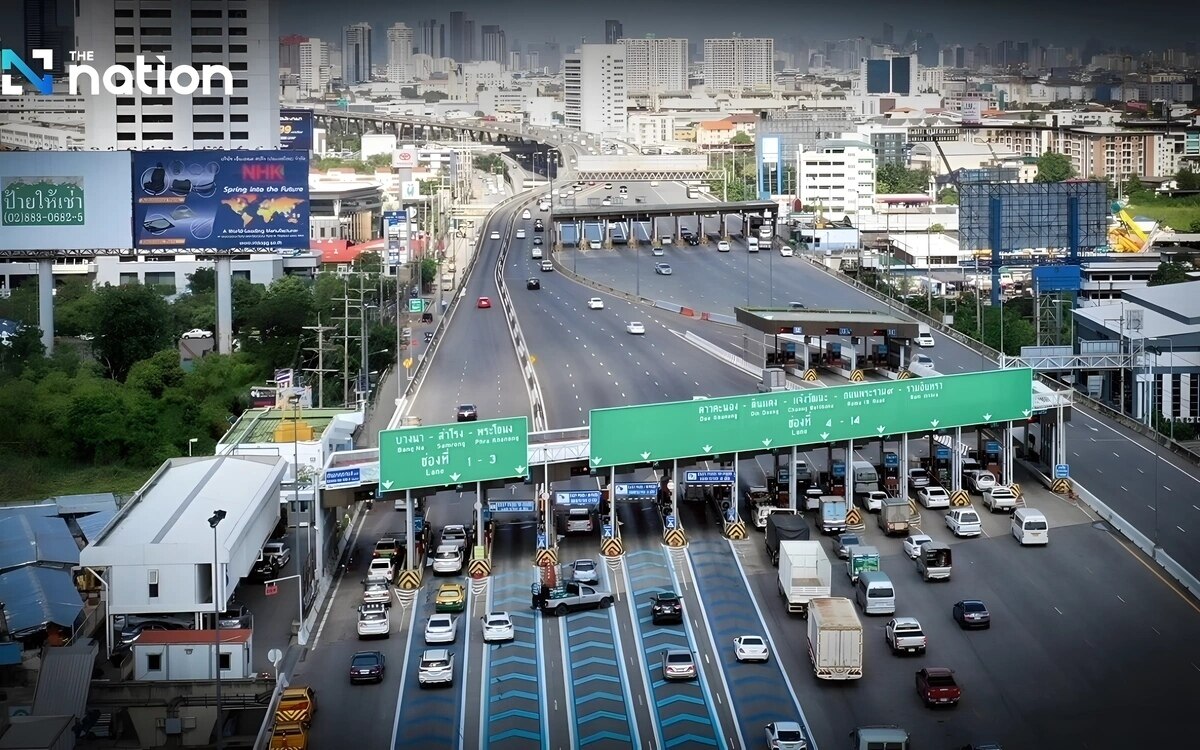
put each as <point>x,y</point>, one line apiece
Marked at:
<point>225,200</point>
<point>64,200</point>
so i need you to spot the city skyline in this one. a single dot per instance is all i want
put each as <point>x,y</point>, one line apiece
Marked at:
<point>1059,24</point>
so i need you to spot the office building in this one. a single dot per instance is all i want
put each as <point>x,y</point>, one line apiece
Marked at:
<point>289,53</point>
<point>736,63</point>
<point>315,70</point>
<point>400,52</point>
<point>614,32</point>
<point>551,57</point>
<point>44,30</point>
<point>889,76</point>
<point>594,88</point>
<point>242,36</point>
<point>432,38</point>
<point>494,47</point>
<point>837,175</point>
<point>356,53</point>
<point>457,36</point>
<point>655,65</point>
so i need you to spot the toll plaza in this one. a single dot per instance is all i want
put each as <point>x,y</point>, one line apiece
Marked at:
<point>570,224</point>
<point>849,343</point>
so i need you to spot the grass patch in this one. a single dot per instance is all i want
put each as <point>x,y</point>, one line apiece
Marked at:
<point>32,479</point>
<point>1179,218</point>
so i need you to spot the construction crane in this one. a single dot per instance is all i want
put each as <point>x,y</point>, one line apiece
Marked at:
<point>1125,235</point>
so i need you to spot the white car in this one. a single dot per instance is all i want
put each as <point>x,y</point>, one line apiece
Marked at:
<point>872,501</point>
<point>536,253</point>
<point>497,626</point>
<point>924,339</point>
<point>526,215</point>
<point>918,478</point>
<point>520,234</point>
<point>495,235</point>
<point>653,183</point>
<point>595,303</point>
<point>922,363</point>
<point>786,251</point>
<point>606,202</point>
<point>785,735</point>
<point>381,570</point>
<point>197,333</point>
<point>635,327</point>
<point>441,629</point>
<point>448,559</point>
<point>437,667</point>
<point>723,246</point>
<point>1000,498</point>
<point>666,239</point>
<point>964,522</point>
<point>662,269</point>
<point>377,592</point>
<point>608,186</point>
<point>585,571</point>
<point>933,497</point>
<point>913,542</point>
<point>750,648</point>
<point>373,621</point>
<point>979,480</point>
<point>657,252</point>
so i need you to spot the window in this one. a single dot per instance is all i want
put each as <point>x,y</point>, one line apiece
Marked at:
<point>127,137</point>
<point>156,31</point>
<point>208,135</point>
<point>206,101</point>
<point>165,282</point>
<point>124,49</point>
<point>239,118</point>
<point>151,575</point>
<point>207,31</point>
<point>240,135</point>
<point>224,662</point>
<point>237,13</point>
<point>237,48</point>
<point>213,48</point>
<point>206,14</point>
<point>239,83</point>
<point>156,48</point>
<point>123,13</point>
<point>123,31</point>
<point>126,118</point>
<point>153,662</point>
<point>237,31</point>
<point>157,101</point>
<point>157,119</point>
<point>237,66</point>
<point>156,13</point>
<point>236,100</point>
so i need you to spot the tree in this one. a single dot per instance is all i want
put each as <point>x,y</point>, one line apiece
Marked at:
<point>408,92</point>
<point>1194,227</point>
<point>1169,273</point>
<point>132,324</point>
<point>280,318</point>
<point>947,197</point>
<point>432,97</point>
<point>1053,167</point>
<point>1134,188</point>
<point>937,228</point>
<point>895,178</point>
<point>1187,179</point>
<point>202,280</point>
<point>741,139</point>
<point>429,269</point>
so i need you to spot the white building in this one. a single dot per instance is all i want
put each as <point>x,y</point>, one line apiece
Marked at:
<point>594,88</point>
<point>187,655</point>
<point>655,65</point>
<point>241,36</point>
<point>838,176</point>
<point>400,53</point>
<point>356,53</point>
<point>651,128</point>
<point>488,74</point>
<point>735,63</point>
<point>28,136</point>
<point>314,67</point>
<point>168,271</point>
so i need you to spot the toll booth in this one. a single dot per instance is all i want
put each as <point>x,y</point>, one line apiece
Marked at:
<point>942,464</point>
<point>833,355</point>
<point>577,511</point>
<point>991,459</point>
<point>715,485</point>
<point>837,477</point>
<point>889,473</point>
<point>785,336</point>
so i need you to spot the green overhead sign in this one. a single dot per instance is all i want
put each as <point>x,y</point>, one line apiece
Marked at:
<point>455,453</point>
<point>782,419</point>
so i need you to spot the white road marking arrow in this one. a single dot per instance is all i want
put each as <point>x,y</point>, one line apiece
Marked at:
<point>824,435</point>
<point>987,417</point>
<point>879,429</point>
<point>596,460</point>
<point>1025,412</point>
<point>766,442</point>
<point>520,469</point>
<point>388,484</point>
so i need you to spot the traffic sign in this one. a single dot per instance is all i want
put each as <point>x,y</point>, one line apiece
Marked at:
<point>541,540</point>
<point>334,477</point>
<point>510,506</point>
<point>1062,471</point>
<point>271,589</point>
<point>637,489</point>
<point>454,453</point>
<point>407,362</point>
<point>577,497</point>
<point>416,304</point>
<point>709,477</point>
<point>669,521</point>
<point>606,530</point>
<point>683,429</point>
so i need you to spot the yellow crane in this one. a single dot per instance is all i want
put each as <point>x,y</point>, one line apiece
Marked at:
<point>1125,236</point>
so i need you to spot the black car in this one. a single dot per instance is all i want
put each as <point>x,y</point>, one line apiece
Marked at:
<point>533,284</point>
<point>538,226</point>
<point>367,666</point>
<point>692,240</point>
<point>666,606</point>
<point>467,413</point>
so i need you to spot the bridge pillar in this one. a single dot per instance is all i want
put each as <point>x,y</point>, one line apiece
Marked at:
<point>606,243</point>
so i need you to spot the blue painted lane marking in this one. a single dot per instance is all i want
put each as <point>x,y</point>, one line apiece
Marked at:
<point>514,705</point>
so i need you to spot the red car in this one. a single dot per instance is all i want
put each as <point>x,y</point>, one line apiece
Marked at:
<point>937,687</point>
<point>484,302</point>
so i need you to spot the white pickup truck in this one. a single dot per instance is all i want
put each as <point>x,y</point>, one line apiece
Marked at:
<point>999,498</point>
<point>905,635</point>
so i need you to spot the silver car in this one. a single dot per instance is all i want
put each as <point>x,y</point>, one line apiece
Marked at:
<point>585,571</point>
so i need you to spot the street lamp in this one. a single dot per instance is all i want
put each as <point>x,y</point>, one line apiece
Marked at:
<point>294,401</point>
<point>191,442</point>
<point>217,517</point>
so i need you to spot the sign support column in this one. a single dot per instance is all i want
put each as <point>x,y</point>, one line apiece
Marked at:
<point>410,534</point>
<point>904,468</point>
<point>1008,453</point>
<point>849,489</point>
<point>792,503</point>
<point>956,461</point>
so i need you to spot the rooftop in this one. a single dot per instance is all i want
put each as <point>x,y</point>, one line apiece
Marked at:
<point>262,425</point>
<point>159,637</point>
<point>1178,301</point>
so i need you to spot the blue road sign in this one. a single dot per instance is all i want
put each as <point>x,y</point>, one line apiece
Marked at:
<point>1062,471</point>
<point>943,452</point>
<point>606,530</point>
<point>577,497</point>
<point>636,489</point>
<point>731,515</point>
<point>343,476</point>
<point>722,476</point>
<point>669,521</point>
<point>541,540</point>
<point>992,446</point>
<point>891,460</point>
<point>510,506</point>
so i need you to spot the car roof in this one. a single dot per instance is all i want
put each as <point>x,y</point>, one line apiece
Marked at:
<point>907,621</point>
<point>790,726</point>
<point>972,601</point>
<point>369,654</point>
<point>436,654</point>
<point>499,614</point>
<point>938,671</point>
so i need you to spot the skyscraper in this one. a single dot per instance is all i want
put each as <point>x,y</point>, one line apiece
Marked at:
<point>614,32</point>
<point>456,35</point>
<point>314,67</point>
<point>493,46</point>
<point>400,52</point>
<point>289,52</point>
<point>594,88</point>
<point>46,29</point>
<point>246,116</point>
<point>470,52</point>
<point>655,65</point>
<point>356,53</point>
<point>735,63</point>
<point>432,38</point>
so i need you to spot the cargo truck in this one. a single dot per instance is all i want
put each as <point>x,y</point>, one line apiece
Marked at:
<point>832,515</point>
<point>835,639</point>
<point>861,558</point>
<point>782,527</point>
<point>804,574</point>
<point>760,504</point>
<point>894,516</point>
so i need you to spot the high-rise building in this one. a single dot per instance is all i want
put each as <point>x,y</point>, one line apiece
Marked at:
<point>594,88</point>
<point>455,35</point>
<point>736,63</point>
<point>493,47</point>
<point>889,75</point>
<point>192,32</point>
<point>432,38</point>
<point>655,65</point>
<point>400,52</point>
<point>552,56</point>
<point>45,29</point>
<point>838,175</point>
<point>614,32</point>
<point>889,34</point>
<point>314,70</point>
<point>356,53</point>
<point>289,53</point>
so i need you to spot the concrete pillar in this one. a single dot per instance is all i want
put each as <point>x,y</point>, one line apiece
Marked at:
<point>224,332</point>
<point>792,502</point>
<point>46,303</point>
<point>956,462</point>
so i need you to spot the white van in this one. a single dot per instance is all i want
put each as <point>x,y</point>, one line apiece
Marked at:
<point>875,594</point>
<point>764,232</point>
<point>1029,526</point>
<point>752,244</point>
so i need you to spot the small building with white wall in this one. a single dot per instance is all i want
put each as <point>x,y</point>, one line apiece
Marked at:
<point>837,175</point>
<point>187,655</point>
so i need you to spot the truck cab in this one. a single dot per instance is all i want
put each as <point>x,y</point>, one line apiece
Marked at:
<point>861,558</point>
<point>760,504</point>
<point>832,515</point>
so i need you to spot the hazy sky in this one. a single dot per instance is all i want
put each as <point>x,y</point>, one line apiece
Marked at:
<point>1156,23</point>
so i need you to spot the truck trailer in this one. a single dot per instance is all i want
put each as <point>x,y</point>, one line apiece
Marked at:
<point>783,527</point>
<point>835,639</point>
<point>804,574</point>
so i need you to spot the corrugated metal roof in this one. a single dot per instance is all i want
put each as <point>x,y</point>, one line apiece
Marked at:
<point>72,504</point>
<point>92,524</point>
<point>34,596</point>
<point>64,680</point>
<point>33,534</point>
<point>36,732</point>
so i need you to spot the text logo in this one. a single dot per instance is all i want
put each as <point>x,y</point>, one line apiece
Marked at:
<point>154,77</point>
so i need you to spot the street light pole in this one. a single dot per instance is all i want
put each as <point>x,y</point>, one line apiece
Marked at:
<point>191,442</point>
<point>294,400</point>
<point>213,522</point>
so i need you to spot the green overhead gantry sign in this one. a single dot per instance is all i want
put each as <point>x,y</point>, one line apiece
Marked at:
<point>686,429</point>
<point>455,453</point>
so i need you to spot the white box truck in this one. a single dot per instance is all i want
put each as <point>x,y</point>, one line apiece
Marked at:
<point>835,639</point>
<point>804,574</point>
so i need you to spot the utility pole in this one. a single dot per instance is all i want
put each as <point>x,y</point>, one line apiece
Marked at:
<point>320,368</point>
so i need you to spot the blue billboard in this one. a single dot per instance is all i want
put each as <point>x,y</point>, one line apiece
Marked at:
<point>296,129</point>
<point>223,200</point>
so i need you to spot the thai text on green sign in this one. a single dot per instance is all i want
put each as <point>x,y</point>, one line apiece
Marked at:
<point>455,453</point>
<point>42,201</point>
<point>782,419</point>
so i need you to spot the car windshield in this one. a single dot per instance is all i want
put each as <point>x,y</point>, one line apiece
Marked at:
<point>497,622</point>
<point>667,597</point>
<point>377,588</point>
<point>848,539</point>
<point>439,622</point>
<point>752,640</point>
<point>449,554</point>
<point>448,593</point>
<point>679,658</point>
<point>373,616</point>
<point>364,660</point>
<point>937,680</point>
<point>585,565</point>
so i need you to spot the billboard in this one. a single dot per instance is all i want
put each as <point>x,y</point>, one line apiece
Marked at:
<point>1022,216</point>
<point>64,200</point>
<point>225,200</point>
<point>396,234</point>
<point>972,111</point>
<point>296,129</point>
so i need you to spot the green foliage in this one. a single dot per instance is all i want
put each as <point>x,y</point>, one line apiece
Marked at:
<point>1054,167</point>
<point>133,322</point>
<point>948,197</point>
<point>1169,273</point>
<point>429,187</point>
<point>895,178</point>
<point>937,228</point>
<point>1194,227</point>
<point>429,268</point>
<point>408,92</point>
<point>741,139</point>
<point>431,97</point>
<point>488,163</point>
<point>1187,179</point>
